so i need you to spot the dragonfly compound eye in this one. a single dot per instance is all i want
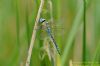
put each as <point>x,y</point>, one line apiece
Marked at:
<point>42,20</point>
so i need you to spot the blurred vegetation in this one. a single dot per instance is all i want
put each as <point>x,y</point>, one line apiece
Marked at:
<point>17,19</point>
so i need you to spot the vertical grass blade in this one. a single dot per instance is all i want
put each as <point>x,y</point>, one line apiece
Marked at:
<point>96,54</point>
<point>17,31</point>
<point>84,31</point>
<point>75,26</point>
<point>27,21</point>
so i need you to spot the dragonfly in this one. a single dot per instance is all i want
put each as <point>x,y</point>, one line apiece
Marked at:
<point>48,30</point>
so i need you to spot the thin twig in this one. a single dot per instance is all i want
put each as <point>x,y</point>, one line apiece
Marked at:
<point>34,34</point>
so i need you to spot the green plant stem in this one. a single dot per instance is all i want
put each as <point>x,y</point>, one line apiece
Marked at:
<point>27,21</point>
<point>17,32</point>
<point>84,31</point>
<point>75,26</point>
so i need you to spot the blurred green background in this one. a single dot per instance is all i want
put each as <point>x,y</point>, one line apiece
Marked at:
<point>17,18</point>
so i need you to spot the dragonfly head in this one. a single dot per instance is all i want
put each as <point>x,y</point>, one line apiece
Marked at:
<point>42,20</point>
